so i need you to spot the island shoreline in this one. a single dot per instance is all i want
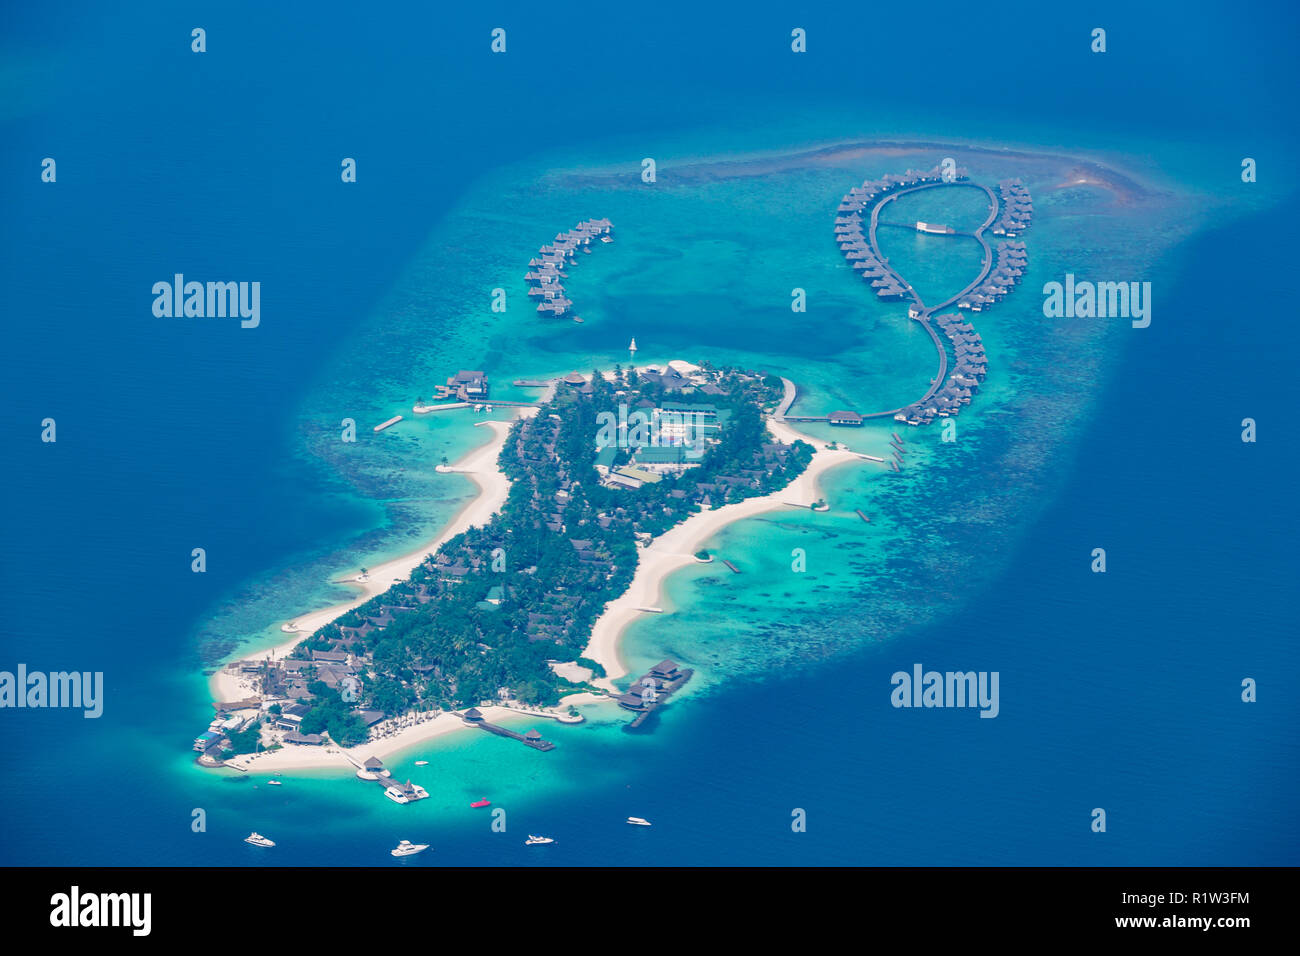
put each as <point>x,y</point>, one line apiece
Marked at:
<point>665,554</point>
<point>482,468</point>
<point>675,548</point>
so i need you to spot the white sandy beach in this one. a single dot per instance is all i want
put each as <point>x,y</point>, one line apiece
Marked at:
<point>676,548</point>
<point>672,550</point>
<point>348,758</point>
<point>493,487</point>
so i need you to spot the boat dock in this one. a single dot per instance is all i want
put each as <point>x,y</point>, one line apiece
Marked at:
<point>861,515</point>
<point>474,718</point>
<point>653,689</point>
<point>546,269</point>
<point>392,421</point>
<point>734,569</point>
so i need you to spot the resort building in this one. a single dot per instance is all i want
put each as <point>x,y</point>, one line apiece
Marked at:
<point>468,385</point>
<point>844,418</point>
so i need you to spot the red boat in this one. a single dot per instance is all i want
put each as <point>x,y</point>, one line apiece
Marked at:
<point>485,802</point>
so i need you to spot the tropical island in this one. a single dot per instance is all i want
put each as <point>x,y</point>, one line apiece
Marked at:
<point>605,466</point>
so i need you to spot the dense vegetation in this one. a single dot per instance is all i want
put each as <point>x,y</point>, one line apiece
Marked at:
<point>486,614</point>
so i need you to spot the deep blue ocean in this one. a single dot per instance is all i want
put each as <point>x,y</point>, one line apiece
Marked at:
<point>1119,691</point>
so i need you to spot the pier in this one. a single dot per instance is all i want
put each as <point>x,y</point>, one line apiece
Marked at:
<point>392,421</point>
<point>734,569</point>
<point>474,718</point>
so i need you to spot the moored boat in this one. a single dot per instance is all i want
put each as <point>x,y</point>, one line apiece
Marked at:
<point>484,802</point>
<point>407,848</point>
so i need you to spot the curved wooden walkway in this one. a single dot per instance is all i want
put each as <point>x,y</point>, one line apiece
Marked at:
<point>927,311</point>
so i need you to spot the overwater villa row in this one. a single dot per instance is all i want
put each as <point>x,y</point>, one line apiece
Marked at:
<point>1017,209</point>
<point>852,237</point>
<point>1010,261</point>
<point>967,374</point>
<point>860,197</point>
<point>546,270</point>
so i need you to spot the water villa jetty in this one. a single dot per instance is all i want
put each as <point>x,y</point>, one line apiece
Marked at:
<point>546,270</point>
<point>474,718</point>
<point>961,360</point>
<point>653,688</point>
<point>1017,209</point>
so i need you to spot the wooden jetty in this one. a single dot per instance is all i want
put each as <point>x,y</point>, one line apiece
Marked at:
<point>863,516</point>
<point>734,569</point>
<point>653,689</point>
<point>474,718</point>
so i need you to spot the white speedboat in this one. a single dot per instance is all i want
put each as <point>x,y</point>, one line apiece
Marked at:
<point>537,840</point>
<point>638,821</point>
<point>422,763</point>
<point>407,848</point>
<point>274,783</point>
<point>257,839</point>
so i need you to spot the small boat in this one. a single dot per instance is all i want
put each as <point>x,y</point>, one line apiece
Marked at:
<point>257,839</point>
<point>407,848</point>
<point>485,802</point>
<point>638,821</point>
<point>537,840</point>
<point>422,763</point>
<point>274,783</point>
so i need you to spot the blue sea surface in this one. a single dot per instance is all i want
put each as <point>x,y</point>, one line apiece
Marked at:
<point>1119,691</point>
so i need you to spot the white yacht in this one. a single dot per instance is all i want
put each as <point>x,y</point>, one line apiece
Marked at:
<point>257,839</point>
<point>638,821</point>
<point>274,783</point>
<point>405,793</point>
<point>407,848</point>
<point>422,763</point>
<point>537,840</point>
